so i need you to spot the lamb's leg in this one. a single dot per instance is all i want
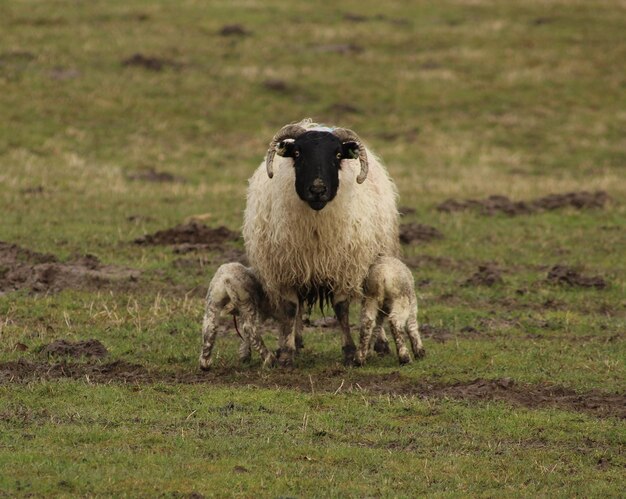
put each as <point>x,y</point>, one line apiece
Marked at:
<point>381,345</point>
<point>414,335</point>
<point>251,332</point>
<point>287,335</point>
<point>209,331</point>
<point>369,313</point>
<point>342,311</point>
<point>397,329</point>
<point>245,350</point>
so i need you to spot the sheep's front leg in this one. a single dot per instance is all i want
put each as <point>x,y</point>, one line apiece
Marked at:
<point>209,332</point>
<point>289,323</point>
<point>369,312</point>
<point>342,311</point>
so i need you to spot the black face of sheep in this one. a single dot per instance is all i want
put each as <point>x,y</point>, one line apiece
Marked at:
<point>317,159</point>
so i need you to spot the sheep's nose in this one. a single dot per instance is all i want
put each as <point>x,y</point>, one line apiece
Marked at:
<point>318,188</point>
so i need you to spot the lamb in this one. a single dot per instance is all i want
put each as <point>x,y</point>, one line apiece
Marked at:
<point>235,290</point>
<point>389,292</point>
<point>320,209</point>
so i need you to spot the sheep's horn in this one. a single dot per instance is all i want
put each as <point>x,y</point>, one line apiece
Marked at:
<point>286,132</point>
<point>346,135</point>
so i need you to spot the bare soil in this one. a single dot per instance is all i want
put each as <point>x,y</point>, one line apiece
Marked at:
<point>21,268</point>
<point>152,175</point>
<point>333,380</point>
<point>502,204</point>
<point>234,30</point>
<point>149,62</point>
<point>565,275</point>
<point>486,275</point>
<point>414,233</point>
<point>193,233</point>
<point>86,348</point>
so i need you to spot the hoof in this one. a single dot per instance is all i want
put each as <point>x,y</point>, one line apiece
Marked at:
<point>270,361</point>
<point>246,359</point>
<point>381,347</point>
<point>349,353</point>
<point>420,354</point>
<point>404,358</point>
<point>299,343</point>
<point>285,357</point>
<point>205,363</point>
<point>359,360</point>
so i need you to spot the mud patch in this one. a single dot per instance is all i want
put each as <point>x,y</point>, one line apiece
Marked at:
<point>152,175</point>
<point>341,48</point>
<point>87,348</point>
<point>234,30</point>
<point>139,60</point>
<point>21,268</point>
<point>192,233</point>
<point>568,276</point>
<point>502,204</point>
<point>414,233</point>
<point>487,275</point>
<point>333,380</point>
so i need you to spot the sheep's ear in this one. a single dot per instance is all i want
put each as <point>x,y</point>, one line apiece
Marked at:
<point>286,148</point>
<point>350,150</point>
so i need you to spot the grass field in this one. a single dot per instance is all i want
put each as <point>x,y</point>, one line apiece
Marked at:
<point>120,119</point>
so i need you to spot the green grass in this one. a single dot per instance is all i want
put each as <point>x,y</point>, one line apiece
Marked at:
<point>460,99</point>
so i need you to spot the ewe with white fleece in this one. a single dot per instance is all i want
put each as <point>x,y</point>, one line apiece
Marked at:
<point>297,248</point>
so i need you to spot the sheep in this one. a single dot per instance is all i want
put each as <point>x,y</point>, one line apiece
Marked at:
<point>320,209</point>
<point>235,290</point>
<point>389,292</point>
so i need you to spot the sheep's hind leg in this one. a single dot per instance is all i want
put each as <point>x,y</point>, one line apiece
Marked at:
<point>251,332</point>
<point>396,330</point>
<point>209,332</point>
<point>245,350</point>
<point>342,311</point>
<point>381,345</point>
<point>415,338</point>
<point>289,324</point>
<point>369,312</point>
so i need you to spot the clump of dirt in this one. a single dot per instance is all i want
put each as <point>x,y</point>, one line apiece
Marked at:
<point>192,233</point>
<point>87,348</point>
<point>341,108</point>
<point>333,380</point>
<point>340,48</point>
<point>502,204</point>
<point>150,63</point>
<point>404,211</point>
<point>565,275</point>
<point>439,334</point>
<point>21,268</point>
<point>487,275</point>
<point>413,233</point>
<point>234,30</point>
<point>276,85</point>
<point>152,175</point>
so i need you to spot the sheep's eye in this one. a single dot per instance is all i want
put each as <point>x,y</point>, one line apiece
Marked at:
<point>338,155</point>
<point>296,154</point>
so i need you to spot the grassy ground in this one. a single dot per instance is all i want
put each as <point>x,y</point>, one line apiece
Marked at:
<point>522,391</point>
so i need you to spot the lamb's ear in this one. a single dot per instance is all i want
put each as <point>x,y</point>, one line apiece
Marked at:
<point>350,150</point>
<point>286,148</point>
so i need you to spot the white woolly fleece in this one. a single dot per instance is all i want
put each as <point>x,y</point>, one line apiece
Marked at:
<point>292,246</point>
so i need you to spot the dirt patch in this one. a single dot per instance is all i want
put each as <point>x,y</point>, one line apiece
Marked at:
<point>568,276</point>
<point>152,175</point>
<point>353,17</point>
<point>404,211</point>
<point>333,380</point>
<point>340,48</point>
<point>439,334</point>
<point>234,30</point>
<point>502,204</point>
<point>192,233</point>
<point>21,268</point>
<point>487,275</point>
<point>87,348</point>
<point>276,85</point>
<point>414,233</point>
<point>150,63</point>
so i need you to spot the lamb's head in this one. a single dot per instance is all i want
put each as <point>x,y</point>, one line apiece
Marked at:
<point>317,156</point>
